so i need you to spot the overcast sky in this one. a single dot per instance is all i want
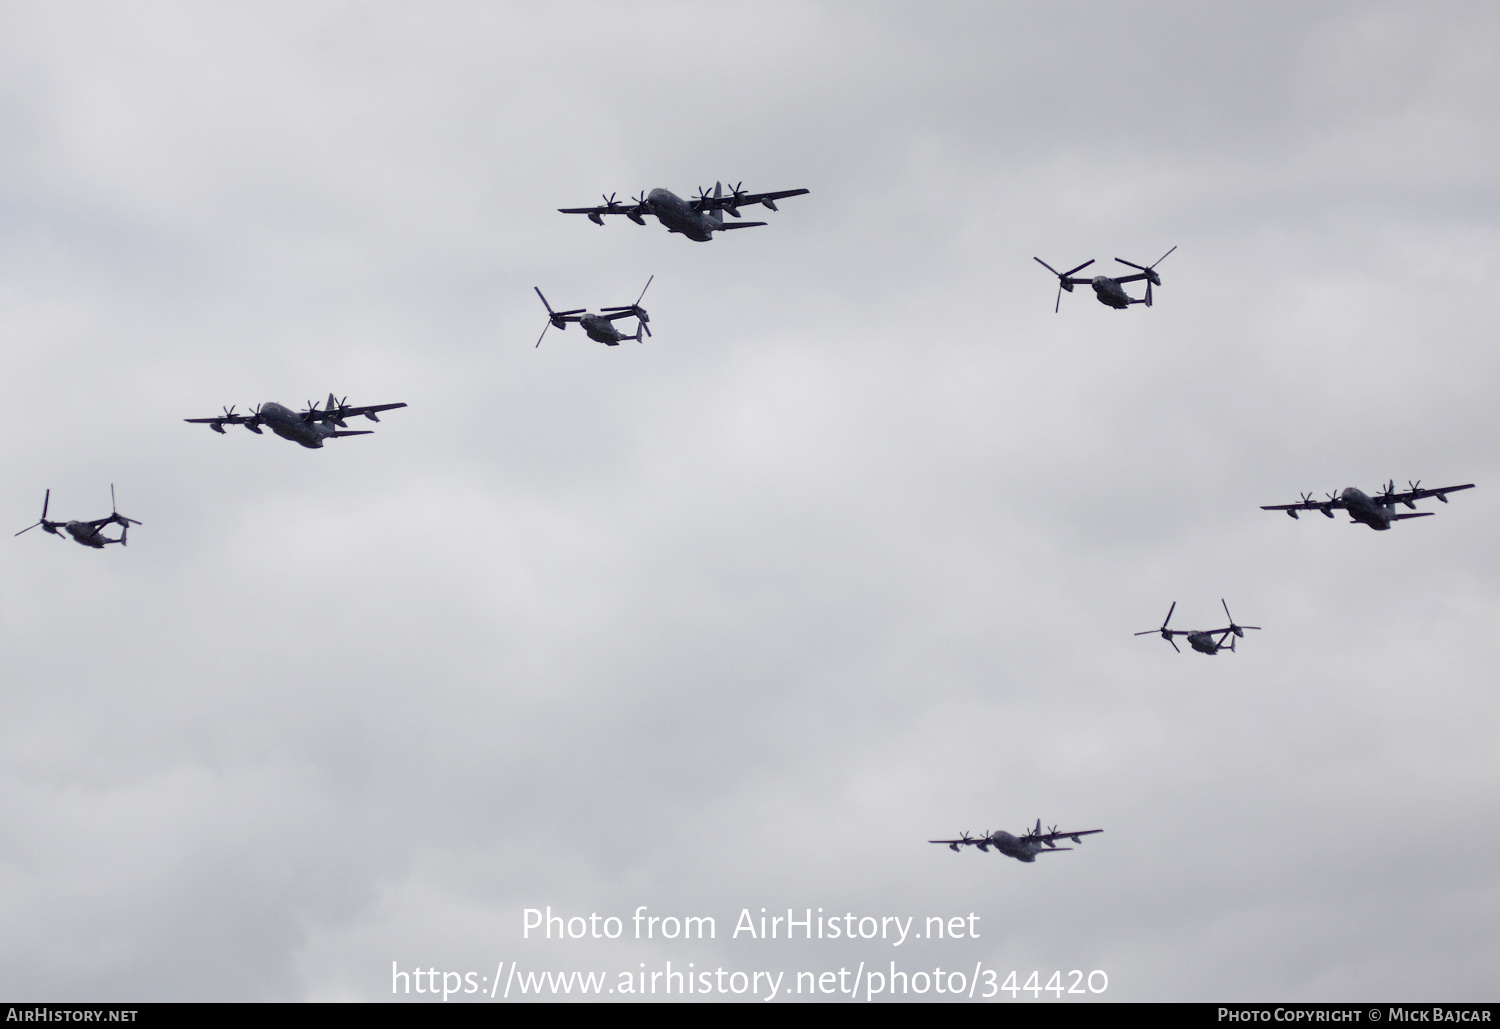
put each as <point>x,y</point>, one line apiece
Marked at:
<point>847,557</point>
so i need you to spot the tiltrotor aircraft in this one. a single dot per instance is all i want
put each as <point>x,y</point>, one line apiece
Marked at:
<point>697,219</point>
<point>1109,291</point>
<point>1201,640</point>
<point>1377,511</point>
<point>310,427</point>
<point>90,534</point>
<point>600,327</point>
<point>1022,848</point>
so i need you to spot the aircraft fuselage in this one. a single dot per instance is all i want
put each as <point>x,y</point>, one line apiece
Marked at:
<point>288,424</point>
<point>87,534</point>
<point>1204,643</point>
<point>602,330</point>
<point>678,215</point>
<point>1018,847</point>
<point>1364,508</point>
<point>1110,292</point>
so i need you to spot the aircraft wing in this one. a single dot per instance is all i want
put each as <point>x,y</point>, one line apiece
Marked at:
<point>1307,505</point>
<point>745,200</point>
<point>595,213</point>
<point>1419,494</point>
<point>350,412</point>
<point>1048,837</point>
<point>217,424</point>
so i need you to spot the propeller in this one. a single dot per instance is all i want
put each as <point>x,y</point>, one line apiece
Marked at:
<point>1413,486</point>
<point>1238,630</point>
<point>1151,277</point>
<point>735,192</point>
<point>119,519</point>
<point>557,318</point>
<point>1062,279</point>
<point>253,423</point>
<point>636,309</point>
<point>46,525</point>
<point>640,205</point>
<point>609,202</point>
<point>218,426</point>
<point>703,197</point>
<point>1166,634</point>
<point>1051,831</point>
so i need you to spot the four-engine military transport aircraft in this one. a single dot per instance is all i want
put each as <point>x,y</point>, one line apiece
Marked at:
<point>599,326</point>
<point>1108,291</point>
<point>697,219</point>
<point>1022,848</point>
<point>1201,640</point>
<point>1376,511</point>
<point>87,533</point>
<point>310,427</point>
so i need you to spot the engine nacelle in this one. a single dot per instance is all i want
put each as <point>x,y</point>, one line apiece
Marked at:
<point>768,202</point>
<point>635,217</point>
<point>1292,513</point>
<point>371,415</point>
<point>1327,511</point>
<point>217,427</point>
<point>596,218</point>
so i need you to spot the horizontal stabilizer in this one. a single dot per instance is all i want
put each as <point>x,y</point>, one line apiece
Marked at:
<point>1054,850</point>
<point>1419,514</point>
<point>352,432</point>
<point>738,225</point>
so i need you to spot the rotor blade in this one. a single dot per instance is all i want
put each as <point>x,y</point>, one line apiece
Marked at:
<point>29,528</point>
<point>1226,611</point>
<point>1162,258</point>
<point>112,505</point>
<point>544,332</point>
<point>47,499</point>
<point>643,291</point>
<point>1047,266</point>
<point>1174,645</point>
<point>544,299</point>
<point>1131,263</point>
<point>1167,619</point>
<point>1057,306</point>
<point>1080,268</point>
